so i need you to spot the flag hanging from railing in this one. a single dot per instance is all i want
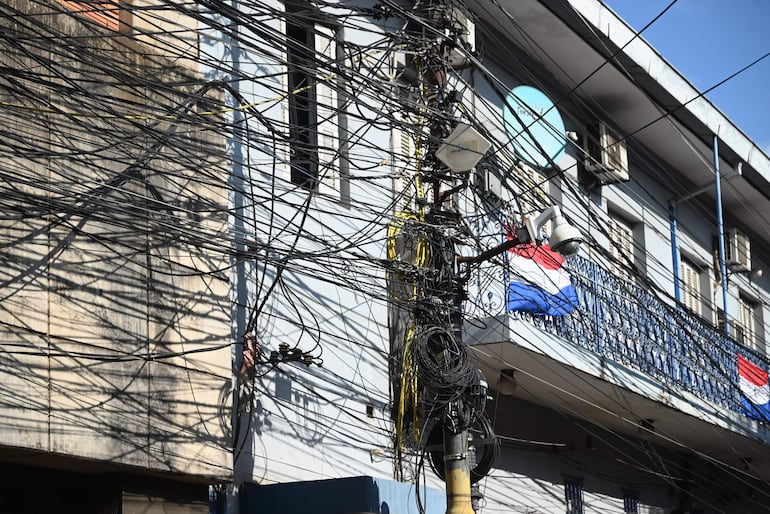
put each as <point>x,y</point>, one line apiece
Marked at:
<point>539,283</point>
<point>755,391</point>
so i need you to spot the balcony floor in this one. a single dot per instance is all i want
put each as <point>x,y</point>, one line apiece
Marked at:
<point>567,378</point>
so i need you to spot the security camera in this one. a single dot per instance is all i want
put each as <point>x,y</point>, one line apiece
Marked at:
<point>564,238</point>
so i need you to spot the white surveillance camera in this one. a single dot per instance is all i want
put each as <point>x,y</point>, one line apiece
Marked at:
<point>564,238</point>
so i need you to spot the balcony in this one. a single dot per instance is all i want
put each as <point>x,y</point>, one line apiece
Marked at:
<point>629,325</point>
<point>624,357</point>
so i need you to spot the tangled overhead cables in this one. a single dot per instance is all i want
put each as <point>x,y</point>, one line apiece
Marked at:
<point>443,366</point>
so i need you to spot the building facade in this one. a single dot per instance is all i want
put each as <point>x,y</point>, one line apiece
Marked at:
<point>630,403</point>
<point>231,224</point>
<point>116,360</point>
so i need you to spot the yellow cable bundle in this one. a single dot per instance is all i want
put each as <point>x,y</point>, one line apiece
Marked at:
<point>408,396</point>
<point>408,391</point>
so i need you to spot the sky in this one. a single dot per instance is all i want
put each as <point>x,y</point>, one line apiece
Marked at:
<point>709,40</point>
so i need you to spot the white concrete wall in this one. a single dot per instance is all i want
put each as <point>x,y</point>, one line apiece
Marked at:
<point>320,296</point>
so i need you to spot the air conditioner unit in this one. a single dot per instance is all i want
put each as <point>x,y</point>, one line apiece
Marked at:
<point>737,251</point>
<point>607,157</point>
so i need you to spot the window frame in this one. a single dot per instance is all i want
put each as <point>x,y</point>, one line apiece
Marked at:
<point>750,320</point>
<point>622,245</point>
<point>317,128</point>
<point>107,14</point>
<point>690,286</point>
<point>300,88</point>
<point>536,196</point>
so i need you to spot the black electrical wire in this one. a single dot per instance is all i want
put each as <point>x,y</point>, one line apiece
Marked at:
<point>335,258</point>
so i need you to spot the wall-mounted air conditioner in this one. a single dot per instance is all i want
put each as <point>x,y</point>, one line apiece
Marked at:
<point>737,251</point>
<point>607,158</point>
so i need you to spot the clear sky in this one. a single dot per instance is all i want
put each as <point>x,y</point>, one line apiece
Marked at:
<point>709,40</point>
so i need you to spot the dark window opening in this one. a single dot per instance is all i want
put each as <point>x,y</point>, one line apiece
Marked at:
<point>303,119</point>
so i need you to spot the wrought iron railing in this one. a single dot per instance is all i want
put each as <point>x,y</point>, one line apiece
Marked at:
<point>625,323</point>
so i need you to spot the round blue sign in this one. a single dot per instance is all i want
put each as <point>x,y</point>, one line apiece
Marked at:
<point>536,130</point>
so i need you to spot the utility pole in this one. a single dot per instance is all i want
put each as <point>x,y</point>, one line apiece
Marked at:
<point>439,396</point>
<point>440,393</point>
<point>449,393</point>
<point>457,472</point>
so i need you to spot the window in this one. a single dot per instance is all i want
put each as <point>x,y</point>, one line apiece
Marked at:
<point>689,275</point>
<point>573,495</point>
<point>300,55</point>
<point>407,149</point>
<point>311,56</point>
<point>532,188</point>
<point>750,323</point>
<point>621,236</point>
<point>630,502</point>
<point>533,191</point>
<point>108,14</point>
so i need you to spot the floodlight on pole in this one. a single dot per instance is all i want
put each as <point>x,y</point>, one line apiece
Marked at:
<point>462,150</point>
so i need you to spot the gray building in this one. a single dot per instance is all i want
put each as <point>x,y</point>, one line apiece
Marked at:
<point>115,359</point>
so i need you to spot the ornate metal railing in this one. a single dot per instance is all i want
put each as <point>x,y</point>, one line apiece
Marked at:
<point>623,322</point>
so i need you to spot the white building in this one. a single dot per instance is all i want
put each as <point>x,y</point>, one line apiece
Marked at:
<point>631,401</point>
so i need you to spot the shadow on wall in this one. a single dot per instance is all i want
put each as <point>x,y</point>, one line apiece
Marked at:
<point>114,315</point>
<point>546,447</point>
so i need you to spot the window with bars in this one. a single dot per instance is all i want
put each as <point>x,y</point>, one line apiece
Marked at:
<point>630,502</point>
<point>689,275</point>
<point>573,495</point>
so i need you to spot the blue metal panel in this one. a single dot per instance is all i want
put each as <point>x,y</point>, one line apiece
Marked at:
<point>339,496</point>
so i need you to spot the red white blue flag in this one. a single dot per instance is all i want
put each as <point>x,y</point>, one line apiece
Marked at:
<point>755,391</point>
<point>539,283</point>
